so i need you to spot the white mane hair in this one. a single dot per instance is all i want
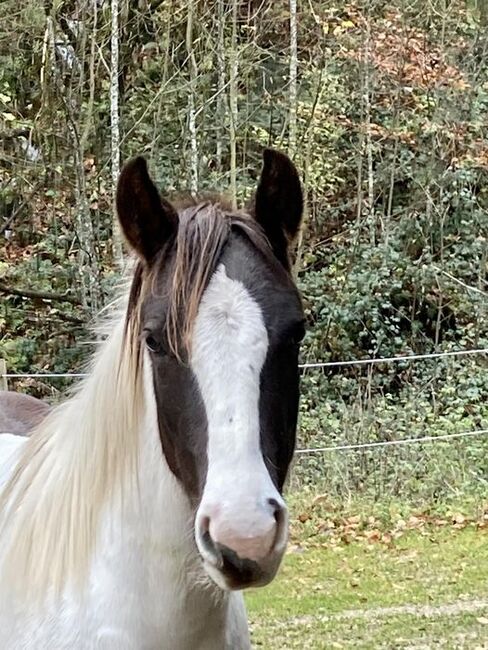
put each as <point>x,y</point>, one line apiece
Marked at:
<point>82,456</point>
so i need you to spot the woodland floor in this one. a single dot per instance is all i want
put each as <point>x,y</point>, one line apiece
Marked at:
<point>425,588</point>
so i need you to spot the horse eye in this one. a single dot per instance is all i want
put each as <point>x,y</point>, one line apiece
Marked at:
<point>153,345</point>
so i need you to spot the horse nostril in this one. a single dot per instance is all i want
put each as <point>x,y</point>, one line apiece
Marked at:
<point>204,525</point>
<point>207,542</point>
<point>277,510</point>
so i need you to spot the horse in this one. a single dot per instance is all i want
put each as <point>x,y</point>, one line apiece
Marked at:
<point>20,413</point>
<point>140,508</point>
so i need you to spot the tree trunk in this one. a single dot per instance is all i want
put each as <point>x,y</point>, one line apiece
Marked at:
<point>192,127</point>
<point>221,110</point>
<point>115,127</point>
<point>371,216</point>
<point>483,6</point>
<point>234,69</point>
<point>292,142</point>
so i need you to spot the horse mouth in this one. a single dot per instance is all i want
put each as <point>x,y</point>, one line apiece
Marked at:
<point>233,573</point>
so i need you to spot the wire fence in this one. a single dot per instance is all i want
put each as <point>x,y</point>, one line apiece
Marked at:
<point>329,364</point>
<point>398,359</point>
<point>391,443</point>
<point>303,366</point>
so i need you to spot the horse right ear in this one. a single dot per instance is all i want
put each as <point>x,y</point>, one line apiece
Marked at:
<point>146,219</point>
<point>278,203</point>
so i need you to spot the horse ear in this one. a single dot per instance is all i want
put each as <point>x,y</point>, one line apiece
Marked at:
<point>278,203</point>
<point>146,219</point>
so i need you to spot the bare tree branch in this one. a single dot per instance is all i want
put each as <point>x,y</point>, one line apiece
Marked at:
<point>39,295</point>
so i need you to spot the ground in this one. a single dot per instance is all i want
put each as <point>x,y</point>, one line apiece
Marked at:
<point>426,588</point>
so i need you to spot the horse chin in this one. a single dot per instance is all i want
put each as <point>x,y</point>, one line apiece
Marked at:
<point>245,575</point>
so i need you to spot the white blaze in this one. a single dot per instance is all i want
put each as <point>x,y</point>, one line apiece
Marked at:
<point>229,348</point>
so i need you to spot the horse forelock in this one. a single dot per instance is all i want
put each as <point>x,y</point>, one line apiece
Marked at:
<point>203,231</point>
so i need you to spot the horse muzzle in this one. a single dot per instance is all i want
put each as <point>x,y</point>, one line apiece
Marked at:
<point>242,546</point>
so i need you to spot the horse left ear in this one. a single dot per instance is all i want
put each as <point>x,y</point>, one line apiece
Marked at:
<point>278,204</point>
<point>146,219</point>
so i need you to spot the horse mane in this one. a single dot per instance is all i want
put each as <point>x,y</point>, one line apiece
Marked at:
<point>82,455</point>
<point>85,453</point>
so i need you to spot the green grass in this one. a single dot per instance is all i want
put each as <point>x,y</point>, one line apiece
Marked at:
<point>322,596</point>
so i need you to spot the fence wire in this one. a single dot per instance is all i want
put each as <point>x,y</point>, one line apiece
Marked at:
<point>391,443</point>
<point>303,366</point>
<point>398,359</point>
<point>328,364</point>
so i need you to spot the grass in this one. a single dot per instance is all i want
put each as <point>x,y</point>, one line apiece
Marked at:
<point>357,595</point>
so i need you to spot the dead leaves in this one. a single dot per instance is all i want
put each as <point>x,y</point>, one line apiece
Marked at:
<point>323,524</point>
<point>405,55</point>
